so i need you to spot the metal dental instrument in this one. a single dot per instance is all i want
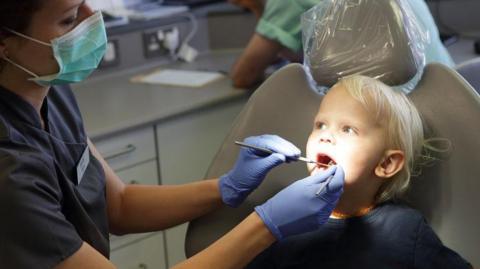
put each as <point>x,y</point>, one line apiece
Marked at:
<point>303,159</point>
<point>323,185</point>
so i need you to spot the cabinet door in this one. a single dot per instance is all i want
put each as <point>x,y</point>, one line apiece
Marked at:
<point>145,254</point>
<point>186,146</point>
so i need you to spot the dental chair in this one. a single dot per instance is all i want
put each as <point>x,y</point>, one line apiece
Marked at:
<point>286,103</point>
<point>470,70</point>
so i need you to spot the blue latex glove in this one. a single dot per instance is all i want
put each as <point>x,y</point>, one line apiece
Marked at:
<point>298,208</point>
<point>252,166</point>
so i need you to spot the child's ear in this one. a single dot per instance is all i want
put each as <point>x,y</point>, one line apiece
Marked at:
<point>392,162</point>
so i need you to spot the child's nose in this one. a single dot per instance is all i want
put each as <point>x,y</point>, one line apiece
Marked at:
<point>326,137</point>
<point>325,140</point>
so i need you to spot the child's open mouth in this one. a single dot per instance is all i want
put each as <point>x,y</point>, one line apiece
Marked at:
<point>324,161</point>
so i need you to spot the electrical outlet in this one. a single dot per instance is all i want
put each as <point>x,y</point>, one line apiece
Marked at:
<point>112,55</point>
<point>172,39</point>
<point>153,43</point>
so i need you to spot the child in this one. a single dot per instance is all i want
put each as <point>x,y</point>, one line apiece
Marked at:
<point>375,133</point>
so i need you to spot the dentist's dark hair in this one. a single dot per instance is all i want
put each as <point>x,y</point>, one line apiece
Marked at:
<point>16,15</point>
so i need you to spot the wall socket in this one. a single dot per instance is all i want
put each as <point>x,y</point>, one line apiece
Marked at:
<point>153,43</point>
<point>159,42</point>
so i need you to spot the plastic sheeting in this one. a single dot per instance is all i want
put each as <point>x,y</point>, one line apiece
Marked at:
<point>377,38</point>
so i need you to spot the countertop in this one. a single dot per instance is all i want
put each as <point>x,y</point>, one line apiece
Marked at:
<point>112,104</point>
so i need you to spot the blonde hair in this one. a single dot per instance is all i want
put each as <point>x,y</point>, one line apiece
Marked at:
<point>402,122</point>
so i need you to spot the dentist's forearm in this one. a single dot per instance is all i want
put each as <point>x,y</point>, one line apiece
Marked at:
<point>150,208</point>
<point>235,249</point>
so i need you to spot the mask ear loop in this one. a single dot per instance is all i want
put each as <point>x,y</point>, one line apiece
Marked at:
<point>27,37</point>
<point>21,67</point>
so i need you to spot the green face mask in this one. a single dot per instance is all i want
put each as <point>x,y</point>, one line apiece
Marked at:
<point>78,52</point>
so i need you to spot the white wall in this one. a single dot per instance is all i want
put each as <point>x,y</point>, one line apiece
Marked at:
<point>105,4</point>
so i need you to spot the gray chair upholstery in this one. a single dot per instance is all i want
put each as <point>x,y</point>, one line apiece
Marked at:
<point>470,70</point>
<point>283,105</point>
<point>446,193</point>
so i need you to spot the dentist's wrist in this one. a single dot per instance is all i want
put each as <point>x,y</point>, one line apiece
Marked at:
<point>231,194</point>
<point>267,221</point>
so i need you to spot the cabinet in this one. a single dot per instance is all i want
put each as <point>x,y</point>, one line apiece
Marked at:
<point>145,254</point>
<point>186,146</point>
<point>145,173</point>
<point>133,157</point>
<point>173,151</point>
<point>128,149</point>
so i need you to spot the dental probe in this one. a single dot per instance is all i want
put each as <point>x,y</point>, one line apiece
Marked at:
<point>303,159</point>
<point>323,185</point>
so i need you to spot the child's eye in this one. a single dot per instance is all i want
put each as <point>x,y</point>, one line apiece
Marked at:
<point>349,130</point>
<point>320,125</point>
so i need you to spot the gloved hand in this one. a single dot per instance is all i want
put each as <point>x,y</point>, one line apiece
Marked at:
<point>252,166</point>
<point>299,208</point>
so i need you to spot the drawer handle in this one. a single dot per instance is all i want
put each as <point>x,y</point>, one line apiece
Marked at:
<point>116,153</point>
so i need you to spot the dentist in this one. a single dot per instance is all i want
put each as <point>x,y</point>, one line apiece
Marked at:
<point>59,199</point>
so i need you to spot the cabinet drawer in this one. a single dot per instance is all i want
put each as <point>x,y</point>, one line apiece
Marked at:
<point>148,253</point>
<point>145,173</point>
<point>127,149</point>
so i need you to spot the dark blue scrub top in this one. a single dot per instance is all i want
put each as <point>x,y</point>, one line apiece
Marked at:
<point>45,215</point>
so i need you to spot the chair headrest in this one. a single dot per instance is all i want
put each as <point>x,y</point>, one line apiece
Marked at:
<point>377,38</point>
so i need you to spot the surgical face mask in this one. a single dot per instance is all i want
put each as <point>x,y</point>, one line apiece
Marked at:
<point>77,53</point>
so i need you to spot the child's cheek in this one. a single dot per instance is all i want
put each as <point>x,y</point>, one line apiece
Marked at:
<point>349,178</point>
<point>348,168</point>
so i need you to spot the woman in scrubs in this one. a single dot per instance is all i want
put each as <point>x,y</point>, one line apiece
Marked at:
<point>59,199</point>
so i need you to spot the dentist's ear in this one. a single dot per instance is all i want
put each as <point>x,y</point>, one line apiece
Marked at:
<point>5,40</point>
<point>3,44</point>
<point>3,47</point>
<point>391,163</point>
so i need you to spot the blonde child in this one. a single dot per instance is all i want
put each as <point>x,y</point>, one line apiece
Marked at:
<point>375,133</point>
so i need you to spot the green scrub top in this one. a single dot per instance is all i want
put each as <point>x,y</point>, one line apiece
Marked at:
<point>281,22</point>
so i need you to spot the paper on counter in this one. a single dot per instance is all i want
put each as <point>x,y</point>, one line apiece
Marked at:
<point>180,78</point>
